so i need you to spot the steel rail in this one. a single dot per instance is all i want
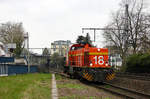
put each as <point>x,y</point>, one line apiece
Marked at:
<point>138,77</point>
<point>114,92</point>
<point>138,94</point>
<point>126,93</point>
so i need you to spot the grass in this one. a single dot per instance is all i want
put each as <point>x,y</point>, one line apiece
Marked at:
<point>71,89</point>
<point>73,97</point>
<point>69,85</point>
<point>81,97</point>
<point>58,77</point>
<point>27,86</point>
<point>107,86</point>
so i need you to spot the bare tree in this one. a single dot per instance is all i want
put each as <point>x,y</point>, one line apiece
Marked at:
<point>46,55</point>
<point>118,38</point>
<point>46,52</point>
<point>138,24</point>
<point>133,26</point>
<point>13,33</point>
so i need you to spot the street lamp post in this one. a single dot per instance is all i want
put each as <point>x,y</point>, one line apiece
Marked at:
<point>28,59</point>
<point>28,53</point>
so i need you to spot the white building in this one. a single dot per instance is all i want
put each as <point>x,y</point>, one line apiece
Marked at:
<point>116,60</point>
<point>61,47</point>
<point>2,49</point>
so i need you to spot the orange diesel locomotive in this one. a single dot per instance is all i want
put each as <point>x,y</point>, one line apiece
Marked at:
<point>88,62</point>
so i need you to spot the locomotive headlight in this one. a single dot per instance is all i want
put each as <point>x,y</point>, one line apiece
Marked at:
<point>106,64</point>
<point>91,64</point>
<point>99,49</point>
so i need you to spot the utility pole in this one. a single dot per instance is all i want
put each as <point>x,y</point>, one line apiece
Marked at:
<point>26,37</point>
<point>28,52</point>
<point>126,19</point>
<point>94,29</point>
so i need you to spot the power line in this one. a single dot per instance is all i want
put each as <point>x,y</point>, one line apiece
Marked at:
<point>94,29</point>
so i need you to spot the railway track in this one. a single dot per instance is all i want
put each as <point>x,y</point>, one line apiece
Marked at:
<point>124,92</point>
<point>120,91</point>
<point>134,76</point>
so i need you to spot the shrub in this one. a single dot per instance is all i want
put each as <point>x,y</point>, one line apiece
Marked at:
<point>138,63</point>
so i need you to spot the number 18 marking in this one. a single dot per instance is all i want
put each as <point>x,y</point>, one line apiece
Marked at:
<point>99,60</point>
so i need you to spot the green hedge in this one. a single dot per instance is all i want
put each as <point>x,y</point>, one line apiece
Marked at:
<point>138,63</point>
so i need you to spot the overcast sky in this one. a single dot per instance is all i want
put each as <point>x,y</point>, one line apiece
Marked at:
<point>50,20</point>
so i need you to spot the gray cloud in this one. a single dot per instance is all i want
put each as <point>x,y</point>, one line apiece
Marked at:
<point>49,20</point>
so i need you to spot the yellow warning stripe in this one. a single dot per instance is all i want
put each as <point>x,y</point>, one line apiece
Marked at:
<point>91,53</point>
<point>85,75</point>
<point>76,54</point>
<point>90,78</point>
<point>95,53</point>
<point>107,78</point>
<point>113,76</point>
<point>110,76</point>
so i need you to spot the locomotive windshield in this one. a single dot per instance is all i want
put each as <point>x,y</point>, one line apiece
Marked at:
<point>76,46</point>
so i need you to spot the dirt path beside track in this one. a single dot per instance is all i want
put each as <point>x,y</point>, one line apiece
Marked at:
<point>74,89</point>
<point>54,88</point>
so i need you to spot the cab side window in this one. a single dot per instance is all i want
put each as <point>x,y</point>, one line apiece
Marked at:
<point>73,48</point>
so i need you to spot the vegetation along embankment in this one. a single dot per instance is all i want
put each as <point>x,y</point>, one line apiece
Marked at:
<point>26,86</point>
